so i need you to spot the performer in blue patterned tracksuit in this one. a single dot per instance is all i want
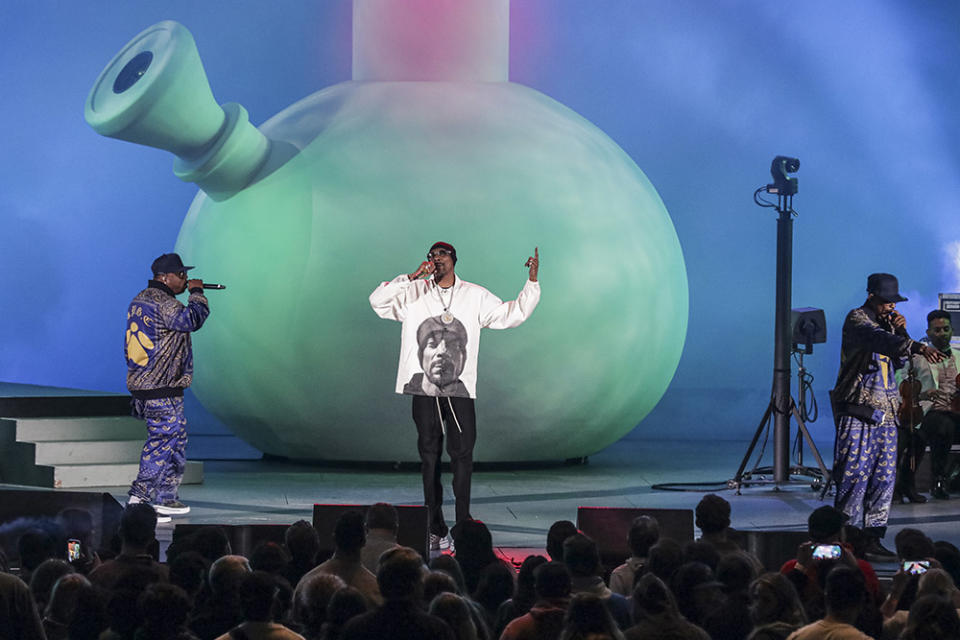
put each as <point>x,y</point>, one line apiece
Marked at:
<point>866,401</point>
<point>159,368</point>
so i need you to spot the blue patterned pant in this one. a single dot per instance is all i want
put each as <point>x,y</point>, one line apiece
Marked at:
<point>865,469</point>
<point>163,458</point>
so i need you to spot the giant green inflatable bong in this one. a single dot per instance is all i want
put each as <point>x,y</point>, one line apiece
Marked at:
<point>305,215</point>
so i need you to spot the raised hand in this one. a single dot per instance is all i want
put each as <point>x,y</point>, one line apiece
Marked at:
<point>425,269</point>
<point>533,262</point>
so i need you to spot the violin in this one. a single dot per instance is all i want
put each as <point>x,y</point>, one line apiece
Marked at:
<point>911,413</point>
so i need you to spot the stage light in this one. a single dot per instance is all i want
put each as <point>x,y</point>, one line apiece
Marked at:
<point>809,328</point>
<point>782,183</point>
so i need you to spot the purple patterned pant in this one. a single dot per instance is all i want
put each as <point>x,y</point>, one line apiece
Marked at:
<point>163,458</point>
<point>865,468</point>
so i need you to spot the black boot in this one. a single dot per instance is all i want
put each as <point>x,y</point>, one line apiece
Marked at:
<point>911,494</point>
<point>876,552</point>
<point>907,488</point>
<point>940,489</point>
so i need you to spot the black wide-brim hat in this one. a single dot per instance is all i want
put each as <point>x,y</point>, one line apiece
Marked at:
<point>884,285</point>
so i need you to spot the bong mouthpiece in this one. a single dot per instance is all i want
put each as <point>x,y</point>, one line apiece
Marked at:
<point>155,92</point>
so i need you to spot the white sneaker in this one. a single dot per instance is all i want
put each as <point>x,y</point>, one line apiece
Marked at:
<point>161,517</point>
<point>441,543</point>
<point>172,508</point>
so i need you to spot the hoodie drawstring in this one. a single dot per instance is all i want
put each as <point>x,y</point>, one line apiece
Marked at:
<point>443,426</point>
<point>454,414</point>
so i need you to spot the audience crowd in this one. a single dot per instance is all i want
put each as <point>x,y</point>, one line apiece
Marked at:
<point>372,587</point>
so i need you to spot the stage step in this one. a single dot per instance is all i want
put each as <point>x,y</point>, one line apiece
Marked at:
<point>73,452</point>
<point>79,428</point>
<point>85,451</point>
<point>112,475</point>
<point>36,401</point>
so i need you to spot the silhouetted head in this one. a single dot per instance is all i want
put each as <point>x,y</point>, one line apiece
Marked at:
<point>644,533</point>
<point>138,524</point>
<point>270,557</point>
<point>581,555</point>
<point>382,516</point>
<point>400,574</point>
<point>712,514</point>
<point>773,598</point>
<point>558,532</point>
<point>651,597</point>
<point>454,610</point>
<point>552,580</point>
<point>348,533</point>
<point>845,589</point>
<point>226,574</point>
<point>311,597</point>
<point>302,541</point>
<point>258,596</point>
<point>164,609</point>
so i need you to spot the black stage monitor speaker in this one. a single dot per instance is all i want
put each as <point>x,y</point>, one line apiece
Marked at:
<point>773,548</point>
<point>25,509</point>
<point>608,526</point>
<point>243,537</point>
<point>413,531</point>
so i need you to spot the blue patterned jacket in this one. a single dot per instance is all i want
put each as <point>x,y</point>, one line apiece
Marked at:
<point>157,342</point>
<point>870,353</point>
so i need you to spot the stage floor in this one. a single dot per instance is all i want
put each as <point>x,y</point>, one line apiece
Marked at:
<point>519,505</point>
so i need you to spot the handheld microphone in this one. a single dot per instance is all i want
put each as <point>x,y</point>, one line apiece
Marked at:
<point>898,330</point>
<point>211,285</point>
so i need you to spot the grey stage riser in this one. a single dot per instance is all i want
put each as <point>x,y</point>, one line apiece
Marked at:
<point>112,475</point>
<point>84,451</point>
<point>93,428</point>
<point>99,451</point>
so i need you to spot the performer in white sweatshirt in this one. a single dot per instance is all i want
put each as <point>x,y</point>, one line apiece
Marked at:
<point>439,341</point>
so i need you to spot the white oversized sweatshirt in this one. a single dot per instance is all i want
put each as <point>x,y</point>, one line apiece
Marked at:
<point>419,304</point>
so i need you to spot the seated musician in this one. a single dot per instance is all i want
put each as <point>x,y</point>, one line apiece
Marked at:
<point>940,402</point>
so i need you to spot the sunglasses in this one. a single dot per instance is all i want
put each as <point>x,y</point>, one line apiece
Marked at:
<point>438,253</point>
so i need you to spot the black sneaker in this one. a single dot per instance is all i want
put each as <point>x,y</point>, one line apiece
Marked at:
<point>172,508</point>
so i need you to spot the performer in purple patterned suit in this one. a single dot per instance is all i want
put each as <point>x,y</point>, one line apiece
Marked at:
<point>866,400</point>
<point>159,367</point>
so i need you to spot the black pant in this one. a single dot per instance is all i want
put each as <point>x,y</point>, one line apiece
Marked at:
<point>911,445</point>
<point>940,429</point>
<point>461,431</point>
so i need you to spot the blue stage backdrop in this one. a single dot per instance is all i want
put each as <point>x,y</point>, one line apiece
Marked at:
<point>700,95</point>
